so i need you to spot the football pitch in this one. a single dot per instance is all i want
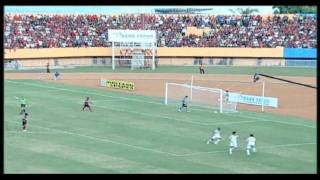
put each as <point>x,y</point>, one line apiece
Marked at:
<point>129,133</point>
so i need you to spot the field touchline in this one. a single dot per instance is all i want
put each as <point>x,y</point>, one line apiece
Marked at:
<point>64,89</point>
<point>31,132</point>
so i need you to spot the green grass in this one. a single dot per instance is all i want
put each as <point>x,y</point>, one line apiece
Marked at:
<point>276,71</point>
<point>137,134</point>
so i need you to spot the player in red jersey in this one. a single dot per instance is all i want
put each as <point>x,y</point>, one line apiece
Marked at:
<point>87,104</point>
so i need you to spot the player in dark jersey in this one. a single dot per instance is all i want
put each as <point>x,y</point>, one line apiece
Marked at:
<point>201,68</point>
<point>87,104</point>
<point>226,96</point>
<point>24,122</point>
<point>48,68</point>
<point>184,104</point>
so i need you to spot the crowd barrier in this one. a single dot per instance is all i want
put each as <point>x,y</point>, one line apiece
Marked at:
<point>168,56</point>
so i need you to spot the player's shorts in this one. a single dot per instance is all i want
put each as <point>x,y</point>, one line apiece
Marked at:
<point>24,122</point>
<point>23,105</point>
<point>184,105</point>
<point>233,144</point>
<point>250,146</point>
<point>87,105</point>
<point>216,137</point>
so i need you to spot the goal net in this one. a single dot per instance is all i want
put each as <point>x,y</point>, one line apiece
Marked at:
<point>133,56</point>
<point>133,48</point>
<point>212,98</point>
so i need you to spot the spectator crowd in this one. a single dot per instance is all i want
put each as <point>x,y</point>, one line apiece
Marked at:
<point>47,31</point>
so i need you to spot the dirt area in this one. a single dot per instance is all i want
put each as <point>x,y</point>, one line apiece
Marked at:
<point>293,100</point>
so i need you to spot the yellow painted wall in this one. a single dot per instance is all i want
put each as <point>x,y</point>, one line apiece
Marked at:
<point>176,61</point>
<point>161,52</point>
<point>221,52</point>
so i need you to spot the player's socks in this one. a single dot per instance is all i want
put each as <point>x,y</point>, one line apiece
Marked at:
<point>216,142</point>
<point>248,152</point>
<point>254,150</point>
<point>208,141</point>
<point>230,150</point>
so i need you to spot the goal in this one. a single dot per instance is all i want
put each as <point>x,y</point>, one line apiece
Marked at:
<point>133,48</point>
<point>213,98</point>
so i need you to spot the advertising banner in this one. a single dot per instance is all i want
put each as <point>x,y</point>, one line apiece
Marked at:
<point>115,84</point>
<point>142,36</point>
<point>253,100</point>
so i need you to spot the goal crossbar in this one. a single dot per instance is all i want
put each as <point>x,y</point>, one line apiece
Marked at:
<point>201,96</point>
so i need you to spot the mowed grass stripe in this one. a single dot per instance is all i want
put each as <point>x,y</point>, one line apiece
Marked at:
<point>169,134</point>
<point>140,103</point>
<point>37,160</point>
<point>110,164</point>
<point>98,93</point>
<point>217,119</point>
<point>154,161</point>
<point>155,139</point>
<point>184,168</point>
<point>187,132</point>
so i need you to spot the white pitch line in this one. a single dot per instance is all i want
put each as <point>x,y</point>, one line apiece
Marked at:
<point>64,89</point>
<point>88,92</point>
<point>263,147</point>
<point>106,140</point>
<point>30,132</point>
<point>150,115</point>
<point>158,151</point>
<point>165,117</point>
<point>105,100</point>
<point>145,114</point>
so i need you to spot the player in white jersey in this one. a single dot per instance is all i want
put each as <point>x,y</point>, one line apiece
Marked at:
<point>233,141</point>
<point>216,136</point>
<point>251,144</point>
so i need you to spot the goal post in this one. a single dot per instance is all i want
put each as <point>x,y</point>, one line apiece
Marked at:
<point>212,98</point>
<point>133,48</point>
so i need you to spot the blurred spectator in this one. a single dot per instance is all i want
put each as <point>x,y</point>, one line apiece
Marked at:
<point>58,31</point>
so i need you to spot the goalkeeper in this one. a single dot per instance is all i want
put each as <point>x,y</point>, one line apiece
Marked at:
<point>23,104</point>
<point>184,104</point>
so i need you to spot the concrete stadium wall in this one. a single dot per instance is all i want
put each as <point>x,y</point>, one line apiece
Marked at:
<point>174,61</point>
<point>56,62</point>
<point>166,56</point>
<point>161,52</point>
<point>223,61</point>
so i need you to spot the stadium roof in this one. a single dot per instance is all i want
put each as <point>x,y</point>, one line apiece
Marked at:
<point>125,9</point>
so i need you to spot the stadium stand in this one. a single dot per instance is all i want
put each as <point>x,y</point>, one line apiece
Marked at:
<point>48,30</point>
